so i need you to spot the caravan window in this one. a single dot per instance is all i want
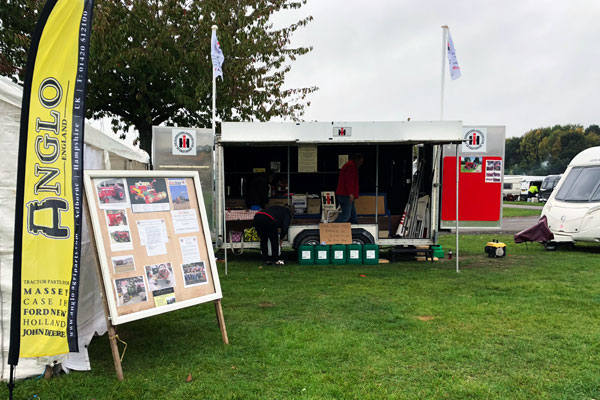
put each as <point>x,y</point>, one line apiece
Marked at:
<point>580,185</point>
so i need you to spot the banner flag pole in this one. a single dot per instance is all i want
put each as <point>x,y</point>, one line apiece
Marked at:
<point>49,198</point>
<point>444,49</point>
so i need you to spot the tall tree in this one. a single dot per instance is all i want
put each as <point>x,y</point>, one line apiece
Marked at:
<point>150,60</point>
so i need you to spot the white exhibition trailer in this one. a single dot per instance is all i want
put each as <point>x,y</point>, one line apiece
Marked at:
<point>306,157</point>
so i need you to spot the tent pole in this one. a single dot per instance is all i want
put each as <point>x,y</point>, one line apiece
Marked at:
<point>457,175</point>
<point>377,187</point>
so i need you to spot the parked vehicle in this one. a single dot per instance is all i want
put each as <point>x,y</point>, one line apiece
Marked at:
<point>548,186</point>
<point>573,209</point>
<point>511,189</point>
<point>527,182</point>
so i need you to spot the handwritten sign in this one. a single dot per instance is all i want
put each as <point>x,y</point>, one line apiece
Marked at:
<point>335,233</point>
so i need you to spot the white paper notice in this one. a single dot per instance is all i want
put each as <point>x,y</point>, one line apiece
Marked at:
<point>185,221</point>
<point>189,249</point>
<point>153,235</point>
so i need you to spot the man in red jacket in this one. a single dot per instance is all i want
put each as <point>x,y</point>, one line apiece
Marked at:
<point>347,189</point>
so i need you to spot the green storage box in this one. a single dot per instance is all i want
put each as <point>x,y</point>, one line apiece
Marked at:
<point>321,254</point>
<point>438,250</point>
<point>370,254</point>
<point>338,254</point>
<point>354,254</point>
<point>306,255</point>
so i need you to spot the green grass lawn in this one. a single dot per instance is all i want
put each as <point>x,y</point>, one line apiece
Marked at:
<point>523,203</point>
<point>520,212</point>
<point>522,327</point>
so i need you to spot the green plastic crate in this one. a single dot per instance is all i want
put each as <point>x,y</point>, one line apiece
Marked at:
<point>338,254</point>
<point>354,253</point>
<point>438,250</point>
<point>370,254</point>
<point>322,254</point>
<point>306,255</point>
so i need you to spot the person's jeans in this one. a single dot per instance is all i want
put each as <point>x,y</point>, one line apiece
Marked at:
<point>348,213</point>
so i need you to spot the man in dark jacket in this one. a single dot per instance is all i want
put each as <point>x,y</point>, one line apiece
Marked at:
<point>257,193</point>
<point>347,189</point>
<point>267,222</point>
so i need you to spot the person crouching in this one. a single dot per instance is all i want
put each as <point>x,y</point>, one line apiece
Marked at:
<point>267,223</point>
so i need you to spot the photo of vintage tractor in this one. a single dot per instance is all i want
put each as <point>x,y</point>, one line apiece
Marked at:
<point>145,190</point>
<point>109,189</point>
<point>121,236</point>
<point>116,217</point>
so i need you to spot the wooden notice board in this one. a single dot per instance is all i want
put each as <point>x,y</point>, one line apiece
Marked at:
<point>335,233</point>
<point>153,242</point>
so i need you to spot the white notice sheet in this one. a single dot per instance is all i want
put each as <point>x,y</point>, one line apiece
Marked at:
<point>189,249</point>
<point>153,235</point>
<point>185,221</point>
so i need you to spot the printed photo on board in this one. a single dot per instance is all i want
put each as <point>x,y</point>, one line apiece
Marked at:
<point>194,274</point>
<point>148,194</point>
<point>120,238</point>
<point>112,193</point>
<point>123,264</point>
<point>130,290</point>
<point>179,194</point>
<point>471,164</point>
<point>160,276</point>
<point>116,217</point>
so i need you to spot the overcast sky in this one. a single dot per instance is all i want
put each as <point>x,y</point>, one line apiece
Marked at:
<point>525,63</point>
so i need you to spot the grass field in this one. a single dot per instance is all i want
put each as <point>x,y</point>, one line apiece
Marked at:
<point>523,203</point>
<point>520,212</point>
<point>522,327</point>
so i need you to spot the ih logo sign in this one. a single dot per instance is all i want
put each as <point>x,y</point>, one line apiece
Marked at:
<point>475,140</point>
<point>184,142</point>
<point>342,131</point>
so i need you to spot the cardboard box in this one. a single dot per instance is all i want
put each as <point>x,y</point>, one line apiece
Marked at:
<point>277,202</point>
<point>314,206</point>
<point>365,205</point>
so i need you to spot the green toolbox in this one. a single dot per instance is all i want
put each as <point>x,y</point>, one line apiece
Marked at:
<point>370,254</point>
<point>306,255</point>
<point>438,250</point>
<point>321,254</point>
<point>354,254</point>
<point>338,254</point>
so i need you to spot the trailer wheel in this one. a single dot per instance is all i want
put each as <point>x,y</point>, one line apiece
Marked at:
<point>310,240</point>
<point>550,246</point>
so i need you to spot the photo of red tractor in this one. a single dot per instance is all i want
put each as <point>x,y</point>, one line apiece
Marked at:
<point>116,217</point>
<point>110,189</point>
<point>145,190</point>
<point>121,236</point>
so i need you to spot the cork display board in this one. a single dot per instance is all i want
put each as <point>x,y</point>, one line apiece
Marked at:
<point>153,241</point>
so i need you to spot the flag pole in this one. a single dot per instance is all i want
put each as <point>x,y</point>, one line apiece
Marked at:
<point>214,94</point>
<point>444,33</point>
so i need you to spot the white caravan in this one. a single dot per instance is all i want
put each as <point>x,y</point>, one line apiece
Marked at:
<point>511,189</point>
<point>573,209</point>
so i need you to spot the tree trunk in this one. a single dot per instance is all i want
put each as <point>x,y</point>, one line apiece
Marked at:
<point>145,138</point>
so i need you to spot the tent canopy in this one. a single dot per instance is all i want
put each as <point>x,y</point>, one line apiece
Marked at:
<point>12,94</point>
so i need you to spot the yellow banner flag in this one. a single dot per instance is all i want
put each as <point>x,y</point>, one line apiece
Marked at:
<point>49,184</point>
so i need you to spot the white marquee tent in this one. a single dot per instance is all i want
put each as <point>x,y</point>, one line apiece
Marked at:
<point>101,151</point>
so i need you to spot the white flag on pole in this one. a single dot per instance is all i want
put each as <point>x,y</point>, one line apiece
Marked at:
<point>452,61</point>
<point>216,54</point>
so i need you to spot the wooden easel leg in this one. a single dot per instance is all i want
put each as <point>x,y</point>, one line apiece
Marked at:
<point>112,331</point>
<point>221,321</point>
<point>112,337</point>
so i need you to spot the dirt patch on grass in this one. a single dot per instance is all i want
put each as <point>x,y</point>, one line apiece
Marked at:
<point>266,304</point>
<point>425,318</point>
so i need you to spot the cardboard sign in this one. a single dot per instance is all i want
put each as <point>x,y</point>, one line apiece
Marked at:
<point>335,233</point>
